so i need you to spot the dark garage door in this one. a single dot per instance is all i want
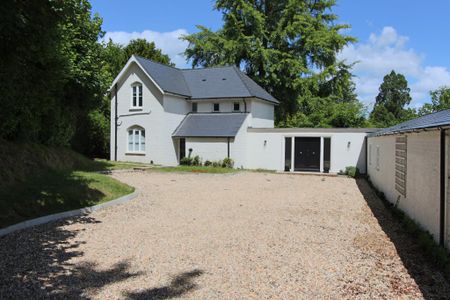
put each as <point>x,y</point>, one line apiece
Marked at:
<point>307,154</point>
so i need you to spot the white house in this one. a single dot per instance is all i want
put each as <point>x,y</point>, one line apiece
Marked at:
<point>161,114</point>
<point>409,164</point>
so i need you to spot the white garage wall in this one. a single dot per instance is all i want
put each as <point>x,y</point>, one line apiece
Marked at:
<point>270,154</point>
<point>422,179</point>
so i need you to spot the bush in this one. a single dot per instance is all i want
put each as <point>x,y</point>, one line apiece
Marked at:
<point>352,171</point>
<point>186,161</point>
<point>196,161</point>
<point>207,163</point>
<point>216,164</point>
<point>227,163</point>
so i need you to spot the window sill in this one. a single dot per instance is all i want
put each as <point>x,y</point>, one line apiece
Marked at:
<point>136,109</point>
<point>135,153</point>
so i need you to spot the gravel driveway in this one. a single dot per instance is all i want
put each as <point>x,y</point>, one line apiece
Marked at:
<point>233,236</point>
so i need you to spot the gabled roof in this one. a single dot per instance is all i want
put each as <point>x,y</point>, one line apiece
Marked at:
<point>207,83</point>
<point>437,119</point>
<point>168,78</point>
<point>210,125</point>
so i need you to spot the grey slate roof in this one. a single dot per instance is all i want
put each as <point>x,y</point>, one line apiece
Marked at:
<point>207,83</point>
<point>168,78</point>
<point>210,125</point>
<point>438,119</point>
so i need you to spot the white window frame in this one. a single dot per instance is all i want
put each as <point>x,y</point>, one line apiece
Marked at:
<point>218,105</point>
<point>137,97</point>
<point>239,106</point>
<point>137,139</point>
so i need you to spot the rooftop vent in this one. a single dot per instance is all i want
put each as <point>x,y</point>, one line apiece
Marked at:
<point>224,79</point>
<point>203,79</point>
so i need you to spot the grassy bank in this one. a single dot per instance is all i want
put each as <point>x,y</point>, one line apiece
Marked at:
<point>36,180</point>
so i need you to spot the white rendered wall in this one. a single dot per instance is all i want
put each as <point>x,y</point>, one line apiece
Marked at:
<point>215,149</point>
<point>422,179</point>
<point>212,149</point>
<point>266,149</point>
<point>160,115</point>
<point>262,114</point>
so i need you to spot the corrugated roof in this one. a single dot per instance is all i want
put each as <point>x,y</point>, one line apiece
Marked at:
<point>210,125</point>
<point>438,119</point>
<point>207,83</point>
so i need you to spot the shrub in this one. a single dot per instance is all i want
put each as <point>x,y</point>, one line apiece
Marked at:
<point>207,163</point>
<point>227,163</point>
<point>186,161</point>
<point>352,171</point>
<point>216,164</point>
<point>196,161</point>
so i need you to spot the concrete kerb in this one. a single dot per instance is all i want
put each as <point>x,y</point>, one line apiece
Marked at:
<point>66,214</point>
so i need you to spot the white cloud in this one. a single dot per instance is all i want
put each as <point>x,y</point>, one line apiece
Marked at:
<point>388,51</point>
<point>168,42</point>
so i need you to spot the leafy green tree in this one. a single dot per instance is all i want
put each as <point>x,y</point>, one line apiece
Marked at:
<point>393,96</point>
<point>117,55</point>
<point>32,69</point>
<point>289,47</point>
<point>440,100</point>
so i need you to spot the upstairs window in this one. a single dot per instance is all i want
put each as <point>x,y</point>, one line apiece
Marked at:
<point>194,107</point>
<point>137,95</point>
<point>136,139</point>
<point>216,107</point>
<point>236,106</point>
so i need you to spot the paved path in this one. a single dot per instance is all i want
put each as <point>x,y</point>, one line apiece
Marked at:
<point>232,236</point>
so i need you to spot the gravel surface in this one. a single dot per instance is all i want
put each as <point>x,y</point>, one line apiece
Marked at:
<point>231,236</point>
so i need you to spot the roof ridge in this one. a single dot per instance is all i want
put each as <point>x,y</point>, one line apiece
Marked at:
<point>207,68</point>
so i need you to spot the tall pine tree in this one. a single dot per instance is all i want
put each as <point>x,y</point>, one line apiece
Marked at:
<point>393,96</point>
<point>289,47</point>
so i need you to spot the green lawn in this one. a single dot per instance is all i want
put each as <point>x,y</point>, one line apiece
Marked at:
<point>51,192</point>
<point>36,181</point>
<point>195,169</point>
<point>103,164</point>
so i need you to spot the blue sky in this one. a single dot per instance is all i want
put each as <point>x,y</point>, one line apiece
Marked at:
<point>411,37</point>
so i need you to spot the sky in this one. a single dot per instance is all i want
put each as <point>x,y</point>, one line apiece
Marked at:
<point>408,36</point>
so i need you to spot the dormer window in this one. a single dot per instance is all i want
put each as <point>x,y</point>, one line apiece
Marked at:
<point>136,101</point>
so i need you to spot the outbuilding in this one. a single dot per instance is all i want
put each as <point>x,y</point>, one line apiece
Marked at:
<point>409,163</point>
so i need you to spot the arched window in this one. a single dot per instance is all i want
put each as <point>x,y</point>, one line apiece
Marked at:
<point>136,139</point>
<point>136,98</point>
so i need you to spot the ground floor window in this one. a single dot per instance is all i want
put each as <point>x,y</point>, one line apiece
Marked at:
<point>136,140</point>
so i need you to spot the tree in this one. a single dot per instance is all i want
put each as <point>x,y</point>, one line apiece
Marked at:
<point>117,55</point>
<point>440,100</point>
<point>393,96</point>
<point>289,47</point>
<point>31,64</point>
